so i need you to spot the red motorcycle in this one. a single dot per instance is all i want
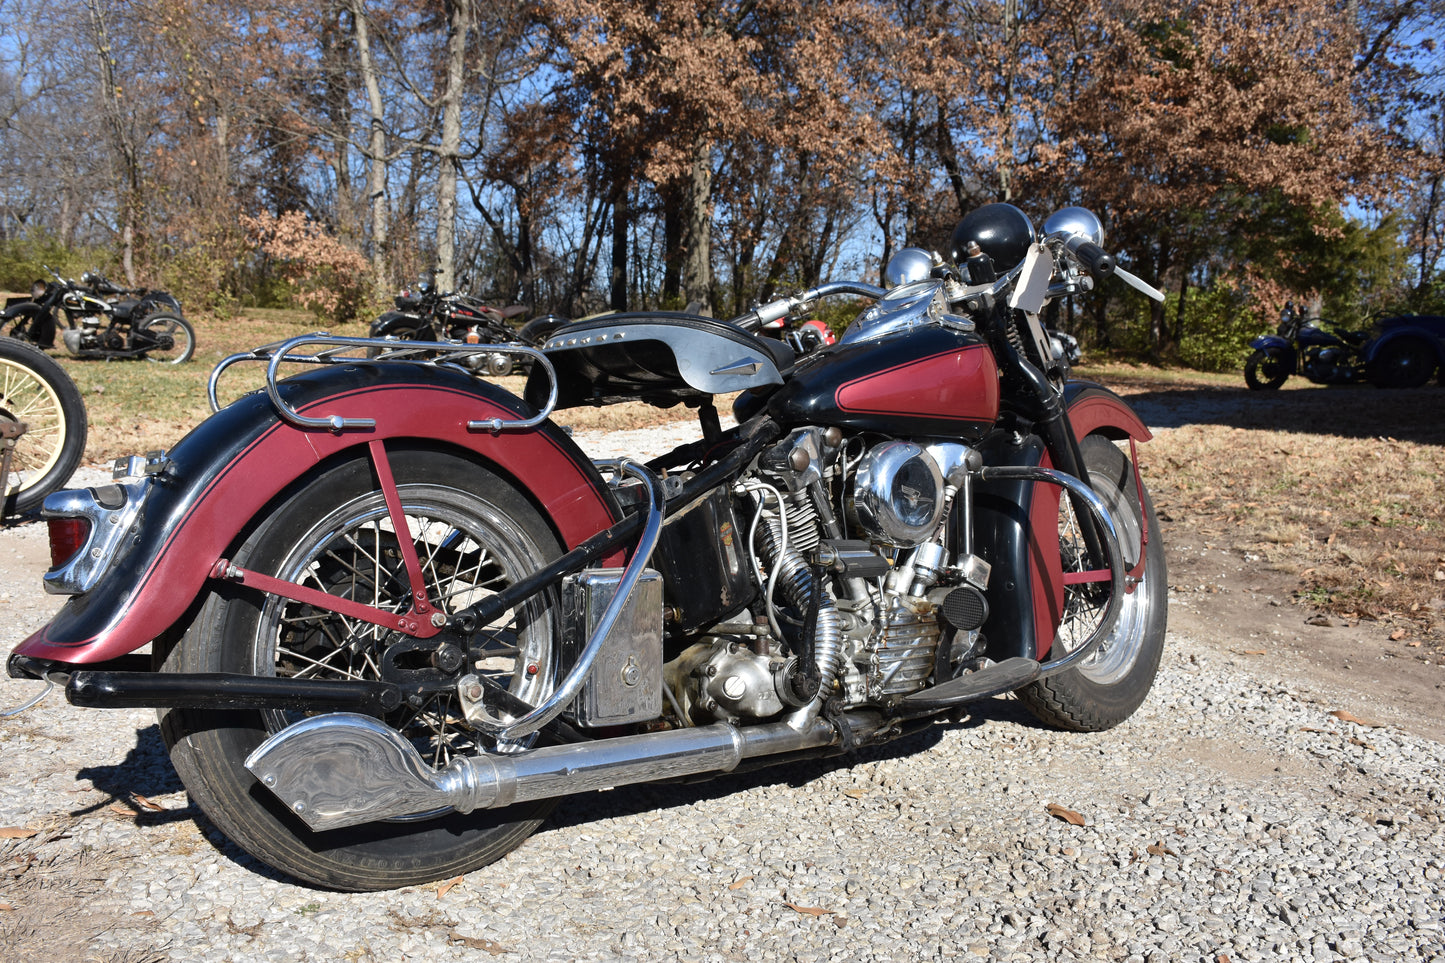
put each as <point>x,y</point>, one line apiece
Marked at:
<point>395,613</point>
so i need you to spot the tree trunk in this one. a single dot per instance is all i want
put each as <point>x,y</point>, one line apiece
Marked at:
<point>697,263</point>
<point>128,193</point>
<point>376,158</point>
<point>621,221</point>
<point>459,20</point>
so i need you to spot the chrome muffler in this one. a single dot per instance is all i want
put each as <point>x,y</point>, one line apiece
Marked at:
<point>344,769</point>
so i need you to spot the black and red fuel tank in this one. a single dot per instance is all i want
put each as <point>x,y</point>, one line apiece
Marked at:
<point>925,381</point>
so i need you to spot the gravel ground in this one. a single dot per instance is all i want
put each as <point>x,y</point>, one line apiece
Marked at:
<point>1233,818</point>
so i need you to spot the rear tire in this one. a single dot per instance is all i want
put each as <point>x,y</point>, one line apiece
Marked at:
<point>1405,363</point>
<point>37,392</point>
<point>1265,371</point>
<point>169,329</point>
<point>477,535</point>
<point>1109,686</point>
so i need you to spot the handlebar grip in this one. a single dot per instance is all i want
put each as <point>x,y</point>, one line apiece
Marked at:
<point>748,322</point>
<point>1097,261</point>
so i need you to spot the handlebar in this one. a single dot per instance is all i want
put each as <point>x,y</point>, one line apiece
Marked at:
<point>783,307</point>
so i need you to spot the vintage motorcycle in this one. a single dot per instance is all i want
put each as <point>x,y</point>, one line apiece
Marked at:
<point>1302,346</point>
<point>432,315</point>
<point>395,613</point>
<point>103,320</point>
<point>42,427</point>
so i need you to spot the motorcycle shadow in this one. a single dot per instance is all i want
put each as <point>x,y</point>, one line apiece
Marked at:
<point>144,775</point>
<point>796,774</point>
<point>1352,411</point>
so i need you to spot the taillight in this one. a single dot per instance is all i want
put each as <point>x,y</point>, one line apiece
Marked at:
<point>67,537</point>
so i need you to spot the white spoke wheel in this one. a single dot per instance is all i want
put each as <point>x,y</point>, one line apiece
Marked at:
<point>1109,685</point>
<point>474,534</point>
<point>36,392</point>
<point>173,336</point>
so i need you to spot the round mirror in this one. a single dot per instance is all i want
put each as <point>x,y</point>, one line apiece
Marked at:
<point>1072,221</point>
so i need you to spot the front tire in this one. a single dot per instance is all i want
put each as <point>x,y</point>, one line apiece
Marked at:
<point>1265,370</point>
<point>1109,686</point>
<point>475,534</point>
<point>36,392</point>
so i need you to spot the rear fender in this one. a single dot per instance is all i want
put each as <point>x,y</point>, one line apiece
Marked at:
<point>225,473</point>
<point>1016,526</point>
<point>1436,344</point>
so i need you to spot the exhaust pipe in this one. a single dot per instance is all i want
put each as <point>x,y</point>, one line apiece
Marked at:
<point>344,769</point>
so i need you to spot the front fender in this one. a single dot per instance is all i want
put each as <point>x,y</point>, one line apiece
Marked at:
<point>399,322</point>
<point>1094,409</point>
<point>1016,525</point>
<point>1268,342</point>
<point>230,467</point>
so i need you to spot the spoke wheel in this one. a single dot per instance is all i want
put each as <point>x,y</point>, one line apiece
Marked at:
<point>1110,684</point>
<point>36,392</point>
<point>1405,363</point>
<point>172,335</point>
<point>1265,371</point>
<point>335,535</point>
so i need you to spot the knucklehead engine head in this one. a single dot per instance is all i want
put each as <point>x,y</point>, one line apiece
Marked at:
<point>1001,231</point>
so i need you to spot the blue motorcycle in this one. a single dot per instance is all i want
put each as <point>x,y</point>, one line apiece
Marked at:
<point>1301,346</point>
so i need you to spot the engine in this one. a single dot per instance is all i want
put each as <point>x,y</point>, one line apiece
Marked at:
<point>866,586</point>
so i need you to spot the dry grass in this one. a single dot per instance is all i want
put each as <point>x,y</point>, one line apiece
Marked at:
<point>1339,489</point>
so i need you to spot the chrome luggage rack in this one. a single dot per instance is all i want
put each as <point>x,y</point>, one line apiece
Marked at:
<point>344,351</point>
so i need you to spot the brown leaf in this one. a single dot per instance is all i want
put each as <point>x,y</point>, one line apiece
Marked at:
<point>145,803</point>
<point>855,793</point>
<point>1255,652</point>
<point>446,887</point>
<point>1159,849</point>
<point>1361,743</point>
<point>1344,716</point>
<point>1311,729</point>
<point>739,884</point>
<point>1067,815</point>
<point>144,913</point>
<point>840,921</point>
<point>807,910</point>
<point>477,942</point>
<point>6,908</point>
<point>121,809</point>
<point>17,832</point>
<point>1398,634</point>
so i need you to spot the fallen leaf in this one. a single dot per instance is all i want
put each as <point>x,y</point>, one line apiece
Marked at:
<point>1361,743</point>
<point>6,908</point>
<point>1255,652</point>
<point>1398,634</point>
<point>446,887</point>
<point>1344,716</point>
<point>477,942</point>
<point>1412,645</point>
<point>1067,815</point>
<point>855,793</point>
<point>121,809</point>
<point>1311,729</point>
<point>739,884</point>
<point>1159,849</point>
<point>840,921</point>
<point>807,910</point>
<point>147,804</point>
<point>17,832</point>
<point>144,913</point>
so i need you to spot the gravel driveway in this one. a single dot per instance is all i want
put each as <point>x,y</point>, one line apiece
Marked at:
<point>1235,817</point>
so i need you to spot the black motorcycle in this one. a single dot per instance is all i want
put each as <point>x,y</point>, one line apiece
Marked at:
<point>103,320</point>
<point>432,315</point>
<point>1303,346</point>
<point>42,427</point>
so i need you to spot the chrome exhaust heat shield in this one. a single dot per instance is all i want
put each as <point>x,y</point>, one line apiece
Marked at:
<point>344,769</point>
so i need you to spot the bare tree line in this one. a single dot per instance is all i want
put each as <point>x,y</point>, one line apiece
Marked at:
<point>584,154</point>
